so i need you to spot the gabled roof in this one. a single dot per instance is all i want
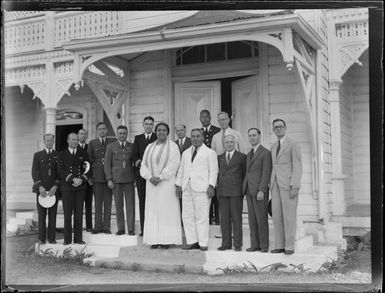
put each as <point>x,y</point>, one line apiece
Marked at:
<point>207,17</point>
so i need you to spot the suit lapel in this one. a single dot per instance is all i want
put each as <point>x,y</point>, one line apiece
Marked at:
<point>256,154</point>
<point>283,148</point>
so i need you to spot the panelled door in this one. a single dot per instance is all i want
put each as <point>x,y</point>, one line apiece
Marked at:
<point>191,98</point>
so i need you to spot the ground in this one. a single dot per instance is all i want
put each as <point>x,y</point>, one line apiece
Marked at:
<point>24,267</point>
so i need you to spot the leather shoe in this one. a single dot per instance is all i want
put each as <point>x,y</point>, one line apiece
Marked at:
<point>80,242</point>
<point>288,252</point>
<point>88,229</point>
<point>264,250</point>
<point>52,241</point>
<point>107,232</point>
<point>131,233</point>
<point>203,248</point>
<point>66,243</point>
<point>141,234</point>
<point>278,250</point>
<point>165,246</point>
<point>96,231</point>
<point>41,242</point>
<point>221,248</point>
<point>191,246</point>
<point>251,249</point>
<point>238,248</point>
<point>120,232</point>
<point>217,223</point>
<point>155,246</point>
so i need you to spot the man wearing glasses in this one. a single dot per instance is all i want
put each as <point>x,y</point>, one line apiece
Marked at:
<point>284,184</point>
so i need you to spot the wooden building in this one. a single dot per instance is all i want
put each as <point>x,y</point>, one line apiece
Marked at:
<point>70,70</point>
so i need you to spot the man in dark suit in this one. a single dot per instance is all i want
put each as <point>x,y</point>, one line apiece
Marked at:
<point>183,141</point>
<point>285,182</point>
<point>71,169</point>
<point>83,135</point>
<point>255,186</point>
<point>46,182</point>
<point>232,168</point>
<point>141,141</point>
<point>209,131</point>
<point>118,167</point>
<point>103,195</point>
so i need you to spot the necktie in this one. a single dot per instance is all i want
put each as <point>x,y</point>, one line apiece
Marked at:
<point>228,158</point>
<point>194,154</point>
<point>147,138</point>
<point>103,141</point>
<point>278,148</point>
<point>123,145</point>
<point>180,144</point>
<point>223,138</point>
<point>73,152</point>
<point>252,153</point>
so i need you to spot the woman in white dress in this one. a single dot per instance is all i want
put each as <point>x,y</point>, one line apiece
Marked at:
<point>161,158</point>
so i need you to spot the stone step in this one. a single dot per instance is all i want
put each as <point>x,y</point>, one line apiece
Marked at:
<point>110,239</point>
<point>20,221</point>
<point>27,215</point>
<point>177,260</point>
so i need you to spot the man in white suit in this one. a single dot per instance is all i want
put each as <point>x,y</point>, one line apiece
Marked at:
<point>195,182</point>
<point>217,142</point>
<point>285,183</point>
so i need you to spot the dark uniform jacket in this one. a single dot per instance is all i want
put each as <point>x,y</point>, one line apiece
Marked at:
<point>185,146</point>
<point>139,147</point>
<point>208,135</point>
<point>96,152</point>
<point>72,166</point>
<point>118,164</point>
<point>230,176</point>
<point>44,170</point>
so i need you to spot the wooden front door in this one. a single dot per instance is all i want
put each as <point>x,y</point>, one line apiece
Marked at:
<point>191,98</point>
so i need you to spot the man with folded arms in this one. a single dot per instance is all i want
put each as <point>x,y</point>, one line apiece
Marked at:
<point>255,186</point>
<point>46,182</point>
<point>232,168</point>
<point>71,169</point>
<point>195,182</point>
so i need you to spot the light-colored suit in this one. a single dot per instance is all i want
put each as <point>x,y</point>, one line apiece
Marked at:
<point>286,174</point>
<point>217,145</point>
<point>195,178</point>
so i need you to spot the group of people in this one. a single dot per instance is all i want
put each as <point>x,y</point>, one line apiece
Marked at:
<point>183,185</point>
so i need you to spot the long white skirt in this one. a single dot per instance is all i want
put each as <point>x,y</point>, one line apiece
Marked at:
<point>162,220</point>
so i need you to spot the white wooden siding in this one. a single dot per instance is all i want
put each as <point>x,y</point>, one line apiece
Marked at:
<point>21,127</point>
<point>286,102</point>
<point>361,132</point>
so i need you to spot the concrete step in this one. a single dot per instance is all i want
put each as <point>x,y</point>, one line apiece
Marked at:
<point>195,261</point>
<point>110,239</point>
<point>20,221</point>
<point>27,215</point>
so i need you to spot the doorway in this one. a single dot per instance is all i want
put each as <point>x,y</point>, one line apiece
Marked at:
<point>61,135</point>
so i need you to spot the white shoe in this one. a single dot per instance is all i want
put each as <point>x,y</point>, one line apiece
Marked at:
<point>219,235</point>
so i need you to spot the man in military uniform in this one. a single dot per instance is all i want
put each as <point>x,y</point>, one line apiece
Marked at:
<point>46,182</point>
<point>83,135</point>
<point>103,195</point>
<point>119,170</point>
<point>208,132</point>
<point>71,170</point>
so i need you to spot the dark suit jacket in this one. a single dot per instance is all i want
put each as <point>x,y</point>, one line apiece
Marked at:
<point>208,136</point>
<point>230,177</point>
<point>44,170</point>
<point>258,171</point>
<point>85,146</point>
<point>70,166</point>
<point>185,146</point>
<point>139,147</point>
<point>118,164</point>
<point>96,153</point>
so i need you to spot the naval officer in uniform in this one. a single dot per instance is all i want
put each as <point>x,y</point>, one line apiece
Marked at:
<point>74,177</point>
<point>119,170</point>
<point>46,180</point>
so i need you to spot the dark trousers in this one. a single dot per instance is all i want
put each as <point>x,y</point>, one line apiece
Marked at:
<point>141,188</point>
<point>88,206</point>
<point>125,192</point>
<point>231,215</point>
<point>258,221</point>
<point>103,203</point>
<point>42,215</point>
<point>214,209</point>
<point>73,203</point>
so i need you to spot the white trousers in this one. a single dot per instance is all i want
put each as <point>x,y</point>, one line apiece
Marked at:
<point>195,216</point>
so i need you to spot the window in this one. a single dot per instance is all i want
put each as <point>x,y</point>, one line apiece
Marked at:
<point>216,52</point>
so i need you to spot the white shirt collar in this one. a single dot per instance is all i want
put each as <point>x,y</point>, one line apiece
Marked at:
<point>47,150</point>
<point>147,135</point>
<point>227,130</point>
<point>82,145</point>
<point>207,128</point>
<point>282,139</point>
<point>101,139</point>
<point>182,139</point>
<point>72,150</point>
<point>231,153</point>
<point>256,147</point>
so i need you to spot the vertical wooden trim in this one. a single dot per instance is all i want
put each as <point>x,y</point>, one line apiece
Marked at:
<point>168,112</point>
<point>263,77</point>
